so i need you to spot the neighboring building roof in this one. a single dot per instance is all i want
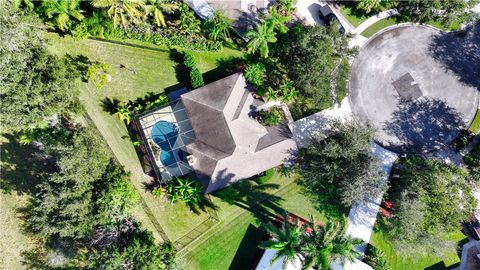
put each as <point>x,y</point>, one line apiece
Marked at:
<point>229,144</point>
<point>245,13</point>
<point>470,256</point>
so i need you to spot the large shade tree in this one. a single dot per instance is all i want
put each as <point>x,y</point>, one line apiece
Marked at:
<point>431,199</point>
<point>63,205</point>
<point>447,12</point>
<point>35,84</point>
<point>310,56</point>
<point>342,161</point>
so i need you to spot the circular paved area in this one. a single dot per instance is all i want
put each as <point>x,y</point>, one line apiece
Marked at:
<point>417,86</point>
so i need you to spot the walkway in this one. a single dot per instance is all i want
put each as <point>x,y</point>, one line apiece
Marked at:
<point>372,20</point>
<point>317,124</point>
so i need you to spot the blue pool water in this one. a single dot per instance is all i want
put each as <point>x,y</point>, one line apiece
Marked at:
<point>165,134</point>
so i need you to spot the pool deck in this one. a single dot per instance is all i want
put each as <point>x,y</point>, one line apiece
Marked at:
<point>173,113</point>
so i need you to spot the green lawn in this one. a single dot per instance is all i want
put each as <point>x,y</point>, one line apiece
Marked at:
<point>383,23</point>
<point>475,126</point>
<point>18,178</point>
<point>155,71</point>
<point>232,243</point>
<point>399,262</point>
<point>353,15</point>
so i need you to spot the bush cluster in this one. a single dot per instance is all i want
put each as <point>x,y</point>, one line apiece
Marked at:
<point>196,79</point>
<point>169,38</point>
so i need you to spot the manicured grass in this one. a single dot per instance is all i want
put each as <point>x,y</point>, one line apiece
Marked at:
<point>383,23</point>
<point>475,126</point>
<point>353,15</point>
<point>155,72</point>
<point>400,262</point>
<point>224,244</point>
<point>18,178</point>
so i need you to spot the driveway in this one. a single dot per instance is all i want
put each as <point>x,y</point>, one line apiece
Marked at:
<point>308,10</point>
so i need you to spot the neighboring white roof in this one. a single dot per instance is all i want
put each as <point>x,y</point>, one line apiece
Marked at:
<point>264,263</point>
<point>202,8</point>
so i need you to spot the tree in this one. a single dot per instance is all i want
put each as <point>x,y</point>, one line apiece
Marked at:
<point>115,198</point>
<point>323,245</point>
<point>63,206</point>
<point>61,13</point>
<point>432,199</point>
<point>188,23</point>
<point>284,240</point>
<point>369,5</point>
<point>446,12</point>
<point>260,37</point>
<point>218,27</point>
<point>123,12</point>
<point>472,160</point>
<point>138,252</point>
<point>157,8</point>
<point>308,56</point>
<point>342,160</point>
<point>35,84</point>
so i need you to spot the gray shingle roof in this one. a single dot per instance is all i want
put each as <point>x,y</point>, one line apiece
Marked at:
<point>230,145</point>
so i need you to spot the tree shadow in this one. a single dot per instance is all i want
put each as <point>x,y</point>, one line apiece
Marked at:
<point>248,254</point>
<point>255,198</point>
<point>459,52</point>
<point>423,125</point>
<point>110,105</point>
<point>81,63</point>
<point>23,166</point>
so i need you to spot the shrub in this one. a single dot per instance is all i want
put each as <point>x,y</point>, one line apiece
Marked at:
<point>99,74</point>
<point>272,117</point>
<point>196,79</point>
<point>255,73</point>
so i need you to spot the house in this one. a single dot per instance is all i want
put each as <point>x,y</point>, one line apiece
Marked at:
<point>210,132</point>
<point>245,13</point>
<point>229,144</point>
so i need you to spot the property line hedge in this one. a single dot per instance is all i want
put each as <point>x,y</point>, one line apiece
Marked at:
<point>196,79</point>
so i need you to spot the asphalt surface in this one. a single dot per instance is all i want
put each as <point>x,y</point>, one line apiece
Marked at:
<point>417,86</point>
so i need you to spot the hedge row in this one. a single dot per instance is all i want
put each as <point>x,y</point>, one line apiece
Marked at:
<point>196,79</point>
<point>170,39</point>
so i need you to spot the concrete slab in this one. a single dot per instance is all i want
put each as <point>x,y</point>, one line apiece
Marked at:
<point>427,112</point>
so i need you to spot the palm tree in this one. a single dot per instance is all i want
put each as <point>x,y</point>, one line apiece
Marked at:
<point>124,112</point>
<point>156,8</point>
<point>123,12</point>
<point>259,38</point>
<point>321,246</point>
<point>285,240</point>
<point>188,23</point>
<point>218,27</point>
<point>61,12</point>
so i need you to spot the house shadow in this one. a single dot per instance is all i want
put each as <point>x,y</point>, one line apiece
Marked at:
<point>423,125</point>
<point>459,52</point>
<point>248,254</point>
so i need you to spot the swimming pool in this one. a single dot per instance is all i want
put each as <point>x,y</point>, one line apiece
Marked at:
<point>164,134</point>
